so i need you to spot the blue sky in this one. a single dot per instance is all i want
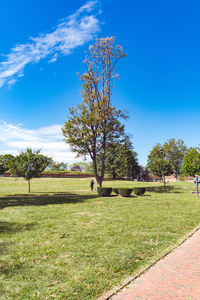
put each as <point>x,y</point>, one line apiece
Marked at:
<point>42,49</point>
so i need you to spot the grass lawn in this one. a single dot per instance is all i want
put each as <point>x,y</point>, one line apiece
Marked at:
<point>65,242</point>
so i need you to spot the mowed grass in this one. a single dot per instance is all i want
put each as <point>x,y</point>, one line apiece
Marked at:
<point>66,242</point>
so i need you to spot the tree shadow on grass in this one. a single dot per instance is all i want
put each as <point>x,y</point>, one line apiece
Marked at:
<point>160,189</point>
<point>7,228</point>
<point>38,200</point>
<point>38,194</point>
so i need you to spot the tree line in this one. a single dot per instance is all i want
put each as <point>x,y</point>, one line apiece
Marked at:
<point>173,158</point>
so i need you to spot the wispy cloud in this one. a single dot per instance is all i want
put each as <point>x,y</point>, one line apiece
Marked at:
<point>71,32</point>
<point>15,138</point>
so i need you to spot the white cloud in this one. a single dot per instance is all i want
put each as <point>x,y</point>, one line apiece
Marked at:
<point>15,138</point>
<point>70,33</point>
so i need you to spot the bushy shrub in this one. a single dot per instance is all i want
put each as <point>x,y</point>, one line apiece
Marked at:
<point>139,191</point>
<point>102,191</point>
<point>125,192</point>
<point>115,190</point>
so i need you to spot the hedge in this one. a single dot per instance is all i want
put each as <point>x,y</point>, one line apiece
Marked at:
<point>139,191</point>
<point>102,191</point>
<point>125,192</point>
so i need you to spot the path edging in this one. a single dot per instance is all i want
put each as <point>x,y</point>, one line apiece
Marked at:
<point>129,280</point>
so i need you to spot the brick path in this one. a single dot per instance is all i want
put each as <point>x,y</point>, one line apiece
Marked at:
<point>176,276</point>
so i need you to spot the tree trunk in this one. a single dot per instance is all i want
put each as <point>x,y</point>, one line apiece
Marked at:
<point>103,160</point>
<point>29,186</point>
<point>97,177</point>
<point>114,175</point>
<point>176,175</point>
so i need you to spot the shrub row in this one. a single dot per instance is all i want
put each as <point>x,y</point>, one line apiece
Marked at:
<point>124,192</point>
<point>104,191</point>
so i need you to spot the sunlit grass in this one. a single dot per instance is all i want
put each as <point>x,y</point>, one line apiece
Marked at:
<point>78,245</point>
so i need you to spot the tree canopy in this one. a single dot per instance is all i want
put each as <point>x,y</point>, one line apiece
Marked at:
<point>29,164</point>
<point>5,162</point>
<point>191,163</point>
<point>95,124</point>
<point>156,163</point>
<point>174,153</point>
<point>121,160</point>
<point>129,167</point>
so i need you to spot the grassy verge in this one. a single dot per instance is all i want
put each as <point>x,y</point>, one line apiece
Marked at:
<point>77,245</point>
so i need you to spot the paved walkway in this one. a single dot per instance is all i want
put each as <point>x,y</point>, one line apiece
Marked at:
<point>176,276</point>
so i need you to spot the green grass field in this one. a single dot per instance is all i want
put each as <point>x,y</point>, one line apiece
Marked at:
<point>66,242</point>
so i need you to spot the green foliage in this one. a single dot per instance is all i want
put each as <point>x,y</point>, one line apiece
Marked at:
<point>59,166</point>
<point>124,192</point>
<point>173,155</point>
<point>155,161</point>
<point>121,161</point>
<point>139,191</point>
<point>191,163</point>
<point>5,162</point>
<point>175,152</point>
<point>103,192</point>
<point>129,166</point>
<point>29,164</point>
<point>95,123</point>
<point>112,160</point>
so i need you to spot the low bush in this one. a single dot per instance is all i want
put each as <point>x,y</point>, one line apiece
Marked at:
<point>139,191</point>
<point>125,192</point>
<point>102,191</point>
<point>115,190</point>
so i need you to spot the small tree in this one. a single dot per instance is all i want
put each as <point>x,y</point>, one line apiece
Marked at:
<point>175,152</point>
<point>95,124</point>
<point>155,164</point>
<point>29,164</point>
<point>191,163</point>
<point>5,162</point>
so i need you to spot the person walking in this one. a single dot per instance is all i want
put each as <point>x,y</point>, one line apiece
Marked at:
<point>92,184</point>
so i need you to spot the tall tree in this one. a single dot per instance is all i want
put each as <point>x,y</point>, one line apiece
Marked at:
<point>191,163</point>
<point>112,160</point>
<point>29,164</point>
<point>95,123</point>
<point>121,160</point>
<point>156,164</point>
<point>5,162</point>
<point>175,152</point>
<point>129,167</point>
